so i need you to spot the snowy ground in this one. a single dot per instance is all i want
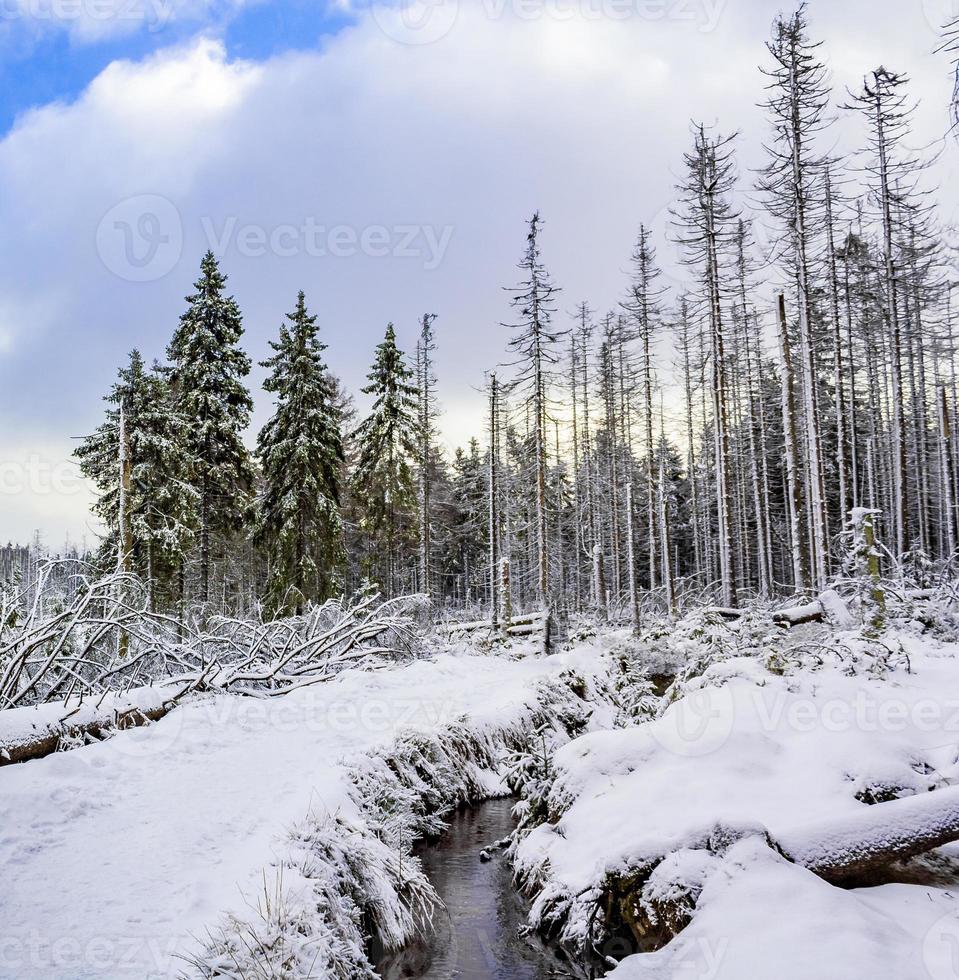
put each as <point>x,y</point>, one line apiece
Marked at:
<point>121,857</point>
<point>115,855</point>
<point>749,750</point>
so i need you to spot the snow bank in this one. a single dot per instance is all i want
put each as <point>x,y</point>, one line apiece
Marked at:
<point>760,916</point>
<point>118,857</point>
<point>745,752</point>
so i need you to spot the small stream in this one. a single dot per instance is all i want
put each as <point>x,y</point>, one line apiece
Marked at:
<point>477,937</point>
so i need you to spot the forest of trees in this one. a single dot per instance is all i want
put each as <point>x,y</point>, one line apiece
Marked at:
<point>580,489</point>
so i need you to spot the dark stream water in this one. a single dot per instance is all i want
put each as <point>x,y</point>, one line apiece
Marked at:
<point>478,935</point>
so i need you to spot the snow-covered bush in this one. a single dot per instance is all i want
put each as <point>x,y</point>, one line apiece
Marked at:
<point>635,691</point>
<point>865,653</point>
<point>861,564</point>
<point>336,880</point>
<point>581,628</point>
<point>529,775</point>
<point>706,637</point>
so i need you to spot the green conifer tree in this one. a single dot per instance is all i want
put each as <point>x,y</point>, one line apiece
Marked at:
<point>208,368</point>
<point>387,442</point>
<point>301,453</point>
<point>160,504</point>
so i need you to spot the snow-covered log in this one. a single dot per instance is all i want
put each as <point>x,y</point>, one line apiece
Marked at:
<point>829,607</point>
<point>856,845</point>
<point>527,619</point>
<point>724,612</point>
<point>34,732</point>
<point>810,612</point>
<point>529,629</point>
<point>530,624</point>
<point>480,624</point>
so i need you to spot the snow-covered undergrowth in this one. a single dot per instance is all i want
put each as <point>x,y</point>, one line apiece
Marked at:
<point>74,669</point>
<point>665,834</point>
<point>343,876</point>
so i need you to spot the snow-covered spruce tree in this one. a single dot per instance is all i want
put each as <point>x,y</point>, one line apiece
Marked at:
<point>386,445</point>
<point>206,380</point>
<point>152,475</point>
<point>534,347</point>
<point>301,454</point>
<point>468,556</point>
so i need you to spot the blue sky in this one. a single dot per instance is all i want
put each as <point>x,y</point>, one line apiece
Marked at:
<point>42,61</point>
<point>382,159</point>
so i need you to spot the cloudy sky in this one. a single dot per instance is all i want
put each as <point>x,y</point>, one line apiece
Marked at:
<point>382,158</point>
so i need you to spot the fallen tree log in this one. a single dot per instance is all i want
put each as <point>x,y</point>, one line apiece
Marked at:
<point>810,612</point>
<point>527,619</point>
<point>530,629</point>
<point>32,733</point>
<point>724,612</point>
<point>854,850</point>
<point>859,844</point>
<point>829,606</point>
<point>483,624</point>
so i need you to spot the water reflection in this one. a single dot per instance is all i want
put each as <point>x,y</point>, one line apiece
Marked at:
<point>478,937</point>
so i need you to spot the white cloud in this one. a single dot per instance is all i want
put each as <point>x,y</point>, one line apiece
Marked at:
<point>92,21</point>
<point>581,117</point>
